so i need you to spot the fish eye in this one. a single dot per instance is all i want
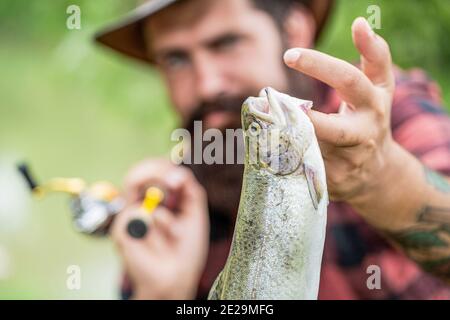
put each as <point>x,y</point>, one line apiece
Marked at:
<point>254,129</point>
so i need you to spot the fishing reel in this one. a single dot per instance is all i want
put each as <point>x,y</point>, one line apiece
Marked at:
<point>94,207</point>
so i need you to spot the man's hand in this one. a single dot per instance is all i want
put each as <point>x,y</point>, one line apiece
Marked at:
<point>365,167</point>
<point>357,141</point>
<point>168,262</point>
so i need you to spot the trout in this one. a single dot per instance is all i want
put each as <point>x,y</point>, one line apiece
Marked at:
<point>277,246</point>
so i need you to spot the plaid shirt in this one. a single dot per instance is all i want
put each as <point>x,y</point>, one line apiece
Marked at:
<point>422,127</point>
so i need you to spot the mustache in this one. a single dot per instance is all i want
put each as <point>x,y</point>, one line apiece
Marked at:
<point>231,104</point>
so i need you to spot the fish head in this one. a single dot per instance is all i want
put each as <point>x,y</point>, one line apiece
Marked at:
<point>277,131</point>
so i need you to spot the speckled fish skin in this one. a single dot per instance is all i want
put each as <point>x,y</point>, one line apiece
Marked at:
<point>279,235</point>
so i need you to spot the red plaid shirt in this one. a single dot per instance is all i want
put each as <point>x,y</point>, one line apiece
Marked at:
<point>421,126</point>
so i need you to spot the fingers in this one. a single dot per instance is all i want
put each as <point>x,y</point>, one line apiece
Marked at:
<point>156,172</point>
<point>143,175</point>
<point>352,85</point>
<point>185,196</point>
<point>126,245</point>
<point>160,230</point>
<point>375,54</point>
<point>165,222</point>
<point>339,130</point>
<point>137,252</point>
<point>366,94</point>
<point>118,227</point>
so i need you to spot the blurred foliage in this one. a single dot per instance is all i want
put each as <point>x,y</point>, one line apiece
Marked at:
<point>417,32</point>
<point>73,109</point>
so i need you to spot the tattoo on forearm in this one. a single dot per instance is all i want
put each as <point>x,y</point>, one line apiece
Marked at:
<point>439,267</point>
<point>434,215</point>
<point>437,180</point>
<point>419,239</point>
<point>428,243</point>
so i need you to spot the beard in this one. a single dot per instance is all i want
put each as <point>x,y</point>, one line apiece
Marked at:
<point>223,182</point>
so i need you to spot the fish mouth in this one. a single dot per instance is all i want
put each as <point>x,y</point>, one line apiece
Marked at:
<point>276,108</point>
<point>266,107</point>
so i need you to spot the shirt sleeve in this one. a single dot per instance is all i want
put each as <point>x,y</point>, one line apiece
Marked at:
<point>420,123</point>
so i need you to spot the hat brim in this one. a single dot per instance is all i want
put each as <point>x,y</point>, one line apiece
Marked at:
<point>125,36</point>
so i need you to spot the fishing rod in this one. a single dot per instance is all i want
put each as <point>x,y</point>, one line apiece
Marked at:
<point>94,207</point>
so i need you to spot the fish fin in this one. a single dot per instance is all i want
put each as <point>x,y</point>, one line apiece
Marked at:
<point>215,292</point>
<point>314,185</point>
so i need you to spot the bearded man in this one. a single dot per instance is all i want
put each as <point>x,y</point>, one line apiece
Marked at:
<point>384,137</point>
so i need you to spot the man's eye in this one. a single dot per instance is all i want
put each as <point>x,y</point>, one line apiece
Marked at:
<point>175,61</point>
<point>227,43</point>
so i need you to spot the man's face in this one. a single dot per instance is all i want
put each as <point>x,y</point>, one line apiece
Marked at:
<point>211,50</point>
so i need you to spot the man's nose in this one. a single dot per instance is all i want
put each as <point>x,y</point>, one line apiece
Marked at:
<point>210,80</point>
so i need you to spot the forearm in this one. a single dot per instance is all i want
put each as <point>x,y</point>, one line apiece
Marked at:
<point>410,204</point>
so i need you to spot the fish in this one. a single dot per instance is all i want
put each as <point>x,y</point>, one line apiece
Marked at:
<point>277,246</point>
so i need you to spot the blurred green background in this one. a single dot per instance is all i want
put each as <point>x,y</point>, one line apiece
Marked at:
<point>72,109</point>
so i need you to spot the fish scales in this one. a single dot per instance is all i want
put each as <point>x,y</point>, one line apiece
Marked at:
<point>278,240</point>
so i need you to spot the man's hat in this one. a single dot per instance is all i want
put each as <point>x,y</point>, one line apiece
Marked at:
<point>126,35</point>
